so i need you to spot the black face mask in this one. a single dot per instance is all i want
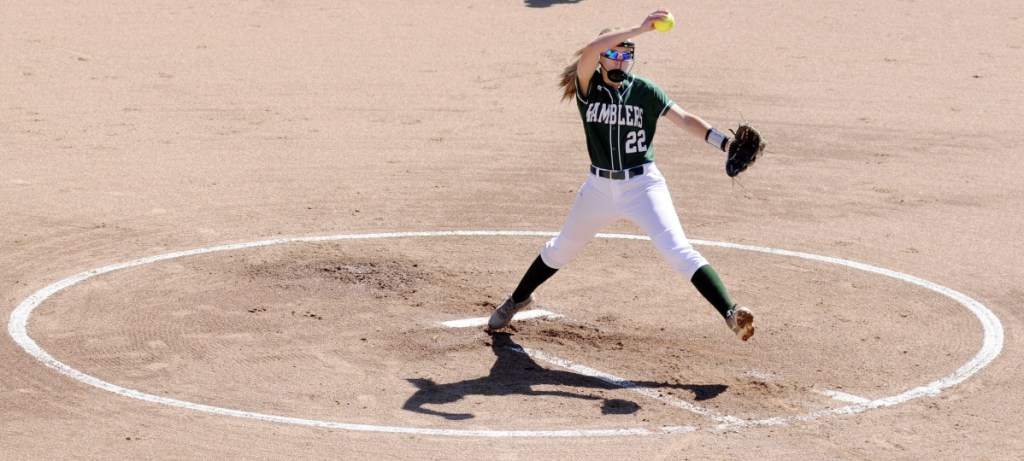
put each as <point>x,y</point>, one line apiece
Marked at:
<point>617,75</point>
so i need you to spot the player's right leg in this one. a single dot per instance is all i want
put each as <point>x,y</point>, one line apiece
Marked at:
<point>589,213</point>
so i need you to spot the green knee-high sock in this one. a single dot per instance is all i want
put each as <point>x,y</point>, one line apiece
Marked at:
<point>710,286</point>
<point>537,274</point>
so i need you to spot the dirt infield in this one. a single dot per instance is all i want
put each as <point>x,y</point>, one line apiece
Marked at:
<point>435,135</point>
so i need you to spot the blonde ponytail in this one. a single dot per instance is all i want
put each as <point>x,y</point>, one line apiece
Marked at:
<point>567,81</point>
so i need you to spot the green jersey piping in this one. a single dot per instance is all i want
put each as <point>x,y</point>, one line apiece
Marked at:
<point>620,123</point>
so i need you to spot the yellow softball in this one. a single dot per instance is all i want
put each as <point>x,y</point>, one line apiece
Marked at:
<point>665,25</point>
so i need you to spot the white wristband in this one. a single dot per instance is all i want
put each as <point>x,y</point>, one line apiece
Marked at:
<point>716,139</point>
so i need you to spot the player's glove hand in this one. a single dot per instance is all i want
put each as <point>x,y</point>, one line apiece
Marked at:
<point>746,147</point>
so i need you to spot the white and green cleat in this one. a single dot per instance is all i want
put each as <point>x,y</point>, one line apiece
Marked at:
<point>741,322</point>
<point>503,314</point>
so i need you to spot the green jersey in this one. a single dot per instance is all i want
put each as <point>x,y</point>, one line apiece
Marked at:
<point>620,123</point>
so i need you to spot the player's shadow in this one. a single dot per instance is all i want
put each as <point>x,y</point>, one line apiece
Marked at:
<point>515,373</point>
<point>547,3</point>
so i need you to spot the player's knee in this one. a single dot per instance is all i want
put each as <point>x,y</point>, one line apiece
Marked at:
<point>559,252</point>
<point>690,266</point>
<point>686,261</point>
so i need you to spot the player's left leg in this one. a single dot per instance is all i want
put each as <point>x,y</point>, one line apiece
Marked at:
<point>649,205</point>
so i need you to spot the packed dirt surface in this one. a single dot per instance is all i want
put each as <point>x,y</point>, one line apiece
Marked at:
<point>878,242</point>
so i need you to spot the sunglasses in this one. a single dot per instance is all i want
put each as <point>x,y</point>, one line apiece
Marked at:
<point>618,55</point>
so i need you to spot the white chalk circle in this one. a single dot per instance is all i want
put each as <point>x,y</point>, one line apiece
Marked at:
<point>992,345</point>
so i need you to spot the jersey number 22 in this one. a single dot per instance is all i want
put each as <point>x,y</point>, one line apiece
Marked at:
<point>636,141</point>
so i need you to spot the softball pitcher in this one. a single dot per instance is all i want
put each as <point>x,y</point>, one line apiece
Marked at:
<point>620,113</point>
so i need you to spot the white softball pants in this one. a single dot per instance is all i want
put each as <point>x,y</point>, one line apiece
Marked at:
<point>643,199</point>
